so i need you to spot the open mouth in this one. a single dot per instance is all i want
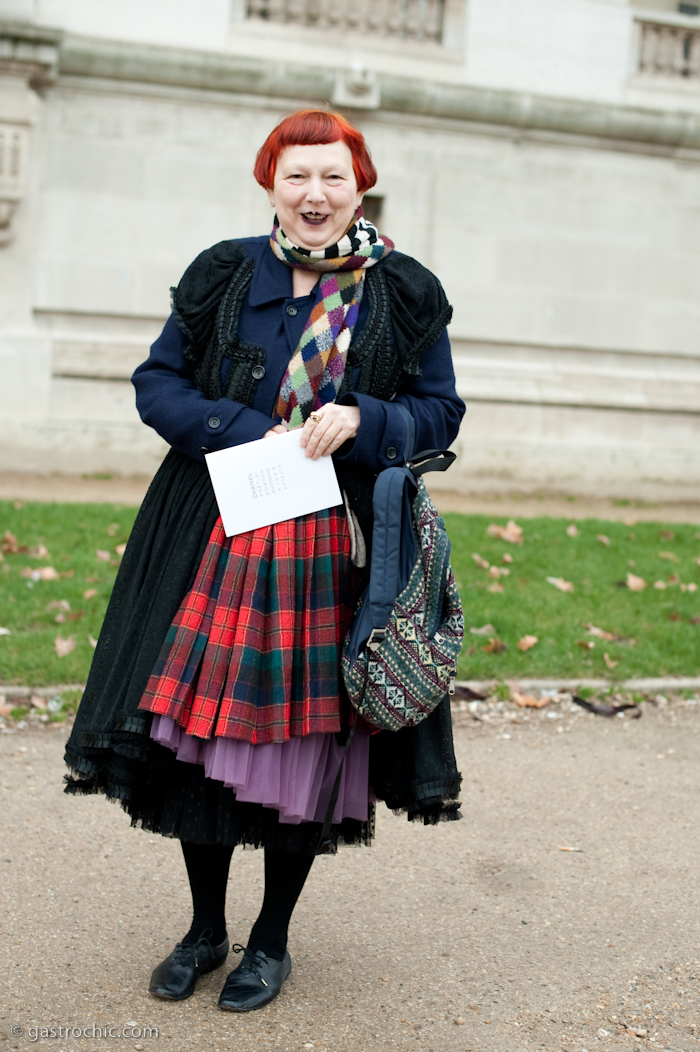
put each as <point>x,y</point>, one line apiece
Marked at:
<point>314,218</point>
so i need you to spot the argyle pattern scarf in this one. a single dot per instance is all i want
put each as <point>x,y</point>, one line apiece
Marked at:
<point>315,371</point>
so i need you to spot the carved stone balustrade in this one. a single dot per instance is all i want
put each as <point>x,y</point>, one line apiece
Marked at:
<point>668,50</point>
<point>415,20</point>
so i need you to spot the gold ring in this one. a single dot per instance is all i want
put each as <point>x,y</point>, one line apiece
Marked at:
<point>316,417</point>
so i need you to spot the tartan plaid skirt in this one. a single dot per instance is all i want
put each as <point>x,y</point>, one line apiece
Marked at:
<point>254,650</point>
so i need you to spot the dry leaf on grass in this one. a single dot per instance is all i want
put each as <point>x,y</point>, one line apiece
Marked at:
<point>669,555</point>
<point>666,535</point>
<point>695,620</point>
<point>572,530</point>
<point>603,539</point>
<point>673,578</point>
<point>635,584</point>
<point>486,630</point>
<point>37,702</point>
<point>600,633</point>
<point>660,585</point>
<point>511,532</point>
<point>528,701</point>
<point>631,521</point>
<point>561,584</point>
<point>90,593</point>
<point>92,642</point>
<point>63,646</point>
<point>499,571</point>
<point>44,573</point>
<point>609,662</point>
<point>103,556</point>
<point>120,549</point>
<point>507,558</point>
<point>674,616</point>
<point>585,644</point>
<point>11,546</point>
<point>58,604</point>
<point>113,529</point>
<point>527,643</point>
<point>494,646</point>
<point>692,587</point>
<point>495,587</point>
<point>480,562</point>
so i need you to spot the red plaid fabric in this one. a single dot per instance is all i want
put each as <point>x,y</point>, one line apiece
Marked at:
<point>254,650</point>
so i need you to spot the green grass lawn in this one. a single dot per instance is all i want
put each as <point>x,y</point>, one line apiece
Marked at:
<point>72,533</point>
<point>666,641</point>
<point>659,620</point>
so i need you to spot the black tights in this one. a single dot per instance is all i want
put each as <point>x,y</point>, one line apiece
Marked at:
<point>207,869</point>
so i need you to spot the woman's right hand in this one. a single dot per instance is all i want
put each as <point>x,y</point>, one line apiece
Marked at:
<point>278,429</point>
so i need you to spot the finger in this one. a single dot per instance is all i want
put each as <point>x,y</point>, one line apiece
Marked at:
<point>327,442</point>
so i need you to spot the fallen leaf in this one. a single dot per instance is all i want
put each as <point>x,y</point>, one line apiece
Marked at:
<point>561,584</point>
<point>669,555</point>
<point>92,642</point>
<point>660,585</point>
<point>495,587</point>
<point>40,552</point>
<point>10,544</point>
<point>120,549</point>
<point>674,616</point>
<point>479,561</point>
<point>509,558</point>
<point>58,604</point>
<point>60,619</point>
<point>487,630</point>
<point>75,616</point>
<point>511,532</point>
<point>494,571</point>
<point>572,530</point>
<point>695,620</point>
<point>629,521</point>
<point>527,642</point>
<point>528,701</point>
<point>37,702</point>
<point>635,584</point>
<point>692,587</point>
<point>609,662</point>
<point>67,573</point>
<point>585,644</point>
<point>102,555</point>
<point>603,539</point>
<point>90,593</point>
<point>673,578</point>
<point>666,535</point>
<point>5,632</point>
<point>494,646</point>
<point>63,646</point>
<point>113,529</point>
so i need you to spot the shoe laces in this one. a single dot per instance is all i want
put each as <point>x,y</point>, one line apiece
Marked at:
<point>250,961</point>
<point>181,949</point>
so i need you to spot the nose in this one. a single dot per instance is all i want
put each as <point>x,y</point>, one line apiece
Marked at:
<point>315,191</point>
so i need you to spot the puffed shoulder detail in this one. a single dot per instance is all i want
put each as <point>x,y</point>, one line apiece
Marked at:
<point>196,299</point>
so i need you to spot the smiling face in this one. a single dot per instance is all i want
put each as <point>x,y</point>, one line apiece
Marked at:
<point>315,193</point>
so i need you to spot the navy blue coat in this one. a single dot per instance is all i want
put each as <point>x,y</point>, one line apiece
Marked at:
<point>168,400</point>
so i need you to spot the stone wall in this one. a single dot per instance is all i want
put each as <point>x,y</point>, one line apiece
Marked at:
<point>563,226</point>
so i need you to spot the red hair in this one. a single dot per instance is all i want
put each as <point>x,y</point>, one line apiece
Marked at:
<point>313,128</point>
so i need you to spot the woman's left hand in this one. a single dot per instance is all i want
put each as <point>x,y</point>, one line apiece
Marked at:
<point>338,423</point>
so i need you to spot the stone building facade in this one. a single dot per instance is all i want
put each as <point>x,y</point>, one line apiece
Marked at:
<point>541,156</point>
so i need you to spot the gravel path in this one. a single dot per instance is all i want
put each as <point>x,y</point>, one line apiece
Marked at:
<point>482,935</point>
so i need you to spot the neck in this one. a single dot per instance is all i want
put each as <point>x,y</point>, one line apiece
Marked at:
<point>303,281</point>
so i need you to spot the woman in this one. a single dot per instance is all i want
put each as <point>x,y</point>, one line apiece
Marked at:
<point>214,702</point>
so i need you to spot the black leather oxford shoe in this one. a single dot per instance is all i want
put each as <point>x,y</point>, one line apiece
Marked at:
<point>176,976</point>
<point>255,982</point>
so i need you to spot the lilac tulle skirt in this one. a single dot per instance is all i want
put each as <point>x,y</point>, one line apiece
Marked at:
<point>294,777</point>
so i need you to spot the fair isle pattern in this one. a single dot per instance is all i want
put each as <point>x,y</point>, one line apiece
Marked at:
<point>315,371</point>
<point>409,674</point>
<point>361,246</point>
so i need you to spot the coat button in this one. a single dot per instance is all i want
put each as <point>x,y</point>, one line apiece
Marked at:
<point>391,453</point>
<point>292,311</point>
<point>258,371</point>
<point>214,421</point>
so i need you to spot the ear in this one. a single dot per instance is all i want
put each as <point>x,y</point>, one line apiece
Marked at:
<point>360,198</point>
<point>270,195</point>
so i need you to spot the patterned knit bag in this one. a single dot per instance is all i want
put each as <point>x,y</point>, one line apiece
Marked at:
<point>400,657</point>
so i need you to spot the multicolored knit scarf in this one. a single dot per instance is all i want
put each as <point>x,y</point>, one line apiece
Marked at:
<point>315,371</point>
